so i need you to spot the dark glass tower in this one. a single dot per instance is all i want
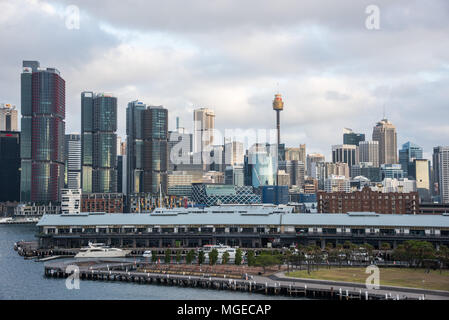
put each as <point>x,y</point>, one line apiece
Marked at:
<point>9,166</point>
<point>147,143</point>
<point>99,143</point>
<point>43,133</point>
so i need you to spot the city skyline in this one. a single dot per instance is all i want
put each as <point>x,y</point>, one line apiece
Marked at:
<point>164,63</point>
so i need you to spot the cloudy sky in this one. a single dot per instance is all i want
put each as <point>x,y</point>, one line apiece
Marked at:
<point>233,56</point>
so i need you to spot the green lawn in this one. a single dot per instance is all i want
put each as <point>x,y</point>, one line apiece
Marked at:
<point>400,277</point>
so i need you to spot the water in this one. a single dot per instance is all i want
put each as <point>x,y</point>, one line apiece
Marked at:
<point>24,279</point>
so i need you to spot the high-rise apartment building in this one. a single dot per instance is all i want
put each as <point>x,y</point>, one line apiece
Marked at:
<point>8,117</point>
<point>73,161</point>
<point>369,152</point>
<point>385,133</point>
<point>203,128</point>
<point>43,133</point>
<point>99,142</point>
<point>147,143</point>
<point>350,137</point>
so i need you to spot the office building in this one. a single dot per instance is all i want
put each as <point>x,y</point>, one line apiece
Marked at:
<point>180,148</point>
<point>147,143</point>
<point>43,134</point>
<point>422,177</point>
<point>203,128</point>
<point>385,133</point>
<point>398,185</point>
<point>9,166</point>
<point>275,194</point>
<point>261,164</point>
<point>235,175</point>
<point>8,117</point>
<point>346,153</point>
<point>73,161</point>
<point>369,152</point>
<point>313,158</point>
<point>298,154</point>
<point>234,153</point>
<point>350,137</point>
<point>441,169</point>
<point>407,155</point>
<point>367,170</point>
<point>336,183</point>
<point>393,171</point>
<point>296,171</point>
<point>99,142</point>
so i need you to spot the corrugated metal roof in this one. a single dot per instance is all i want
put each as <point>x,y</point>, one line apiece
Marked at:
<point>311,219</point>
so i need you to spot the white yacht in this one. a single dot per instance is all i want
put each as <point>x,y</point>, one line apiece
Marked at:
<point>221,250</point>
<point>99,250</point>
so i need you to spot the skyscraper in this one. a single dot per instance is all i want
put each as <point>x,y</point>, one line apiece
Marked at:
<point>441,169</point>
<point>8,117</point>
<point>296,153</point>
<point>73,160</point>
<point>234,153</point>
<point>346,153</point>
<point>99,142</point>
<point>147,143</point>
<point>313,158</point>
<point>385,133</point>
<point>43,133</point>
<point>350,137</point>
<point>369,152</point>
<point>422,176</point>
<point>407,154</point>
<point>203,128</point>
<point>9,166</point>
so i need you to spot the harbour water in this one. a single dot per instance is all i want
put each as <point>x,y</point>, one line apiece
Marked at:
<point>24,279</point>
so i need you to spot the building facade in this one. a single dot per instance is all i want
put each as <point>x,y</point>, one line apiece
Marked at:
<point>346,153</point>
<point>367,200</point>
<point>71,201</point>
<point>409,152</point>
<point>43,133</point>
<point>369,152</point>
<point>441,169</point>
<point>102,202</point>
<point>350,137</point>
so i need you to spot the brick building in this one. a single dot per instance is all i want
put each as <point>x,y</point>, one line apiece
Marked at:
<point>102,202</point>
<point>368,200</point>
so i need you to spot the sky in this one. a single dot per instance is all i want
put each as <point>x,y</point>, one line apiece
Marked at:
<point>333,70</point>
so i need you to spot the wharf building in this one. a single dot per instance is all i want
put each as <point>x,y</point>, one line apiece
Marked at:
<point>243,226</point>
<point>368,200</point>
<point>43,133</point>
<point>99,142</point>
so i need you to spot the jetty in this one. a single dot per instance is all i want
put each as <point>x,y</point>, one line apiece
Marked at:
<point>277,284</point>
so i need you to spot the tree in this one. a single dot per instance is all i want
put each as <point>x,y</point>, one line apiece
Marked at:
<point>265,259</point>
<point>167,256</point>
<point>251,258</point>
<point>225,258</point>
<point>190,256</point>
<point>153,256</point>
<point>201,257</point>
<point>238,256</point>
<point>178,256</point>
<point>213,257</point>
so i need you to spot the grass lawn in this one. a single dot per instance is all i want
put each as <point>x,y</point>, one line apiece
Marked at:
<point>400,277</point>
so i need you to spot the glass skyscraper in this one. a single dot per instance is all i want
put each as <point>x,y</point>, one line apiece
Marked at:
<point>147,143</point>
<point>407,154</point>
<point>99,142</point>
<point>43,133</point>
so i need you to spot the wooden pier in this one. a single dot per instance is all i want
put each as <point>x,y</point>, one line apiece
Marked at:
<point>126,271</point>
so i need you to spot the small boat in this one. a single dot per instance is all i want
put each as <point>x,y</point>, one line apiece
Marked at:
<point>100,250</point>
<point>147,254</point>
